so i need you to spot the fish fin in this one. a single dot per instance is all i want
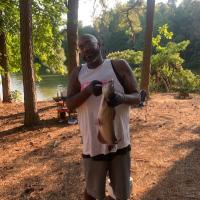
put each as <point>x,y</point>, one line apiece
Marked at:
<point>101,139</point>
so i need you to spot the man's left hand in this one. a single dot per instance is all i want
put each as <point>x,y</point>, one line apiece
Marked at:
<point>143,96</point>
<point>116,99</point>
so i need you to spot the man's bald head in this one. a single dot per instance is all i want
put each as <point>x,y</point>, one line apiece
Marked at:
<point>89,49</point>
<point>88,37</point>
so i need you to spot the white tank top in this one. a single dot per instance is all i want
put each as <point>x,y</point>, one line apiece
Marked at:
<point>87,112</point>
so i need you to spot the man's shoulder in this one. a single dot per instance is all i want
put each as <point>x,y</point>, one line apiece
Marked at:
<point>119,64</point>
<point>76,70</point>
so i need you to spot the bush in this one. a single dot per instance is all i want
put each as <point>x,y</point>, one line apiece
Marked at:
<point>16,95</point>
<point>185,81</point>
<point>182,80</point>
<point>167,73</point>
<point>134,58</point>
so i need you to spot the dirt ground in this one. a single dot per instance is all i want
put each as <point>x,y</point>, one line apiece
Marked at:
<point>44,162</point>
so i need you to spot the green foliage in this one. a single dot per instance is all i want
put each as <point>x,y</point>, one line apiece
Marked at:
<point>168,56</point>
<point>133,57</point>
<point>167,73</point>
<point>9,10</point>
<point>9,24</point>
<point>1,70</point>
<point>163,33</point>
<point>47,38</point>
<point>186,81</point>
<point>118,27</point>
<point>130,14</point>
<point>137,74</point>
<point>16,95</point>
<point>111,37</point>
<point>167,59</point>
<point>187,26</point>
<point>163,15</point>
<point>183,20</point>
<point>13,52</point>
<point>182,80</point>
<point>46,19</point>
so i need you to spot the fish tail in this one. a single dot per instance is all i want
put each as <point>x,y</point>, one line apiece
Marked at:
<point>110,147</point>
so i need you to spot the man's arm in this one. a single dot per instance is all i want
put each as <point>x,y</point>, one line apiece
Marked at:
<point>75,97</point>
<point>131,95</point>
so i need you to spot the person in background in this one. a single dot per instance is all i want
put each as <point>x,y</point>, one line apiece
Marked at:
<point>84,94</point>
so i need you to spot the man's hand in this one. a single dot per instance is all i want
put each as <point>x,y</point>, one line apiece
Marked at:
<point>116,99</point>
<point>95,88</point>
<point>143,96</point>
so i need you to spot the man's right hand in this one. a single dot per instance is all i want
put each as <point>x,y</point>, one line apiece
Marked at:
<point>95,88</point>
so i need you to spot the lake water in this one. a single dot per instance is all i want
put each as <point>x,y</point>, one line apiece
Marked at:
<point>46,88</point>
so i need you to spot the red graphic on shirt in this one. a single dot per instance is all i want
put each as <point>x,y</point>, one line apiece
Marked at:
<point>85,84</point>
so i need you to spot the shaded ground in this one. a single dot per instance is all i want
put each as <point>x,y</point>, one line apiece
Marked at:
<point>44,162</point>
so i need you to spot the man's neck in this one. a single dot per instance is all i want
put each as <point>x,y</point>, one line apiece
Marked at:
<point>95,63</point>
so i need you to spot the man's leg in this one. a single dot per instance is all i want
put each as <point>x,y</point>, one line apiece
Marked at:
<point>95,178</point>
<point>119,172</point>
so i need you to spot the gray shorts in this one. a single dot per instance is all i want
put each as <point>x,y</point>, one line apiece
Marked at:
<point>118,169</point>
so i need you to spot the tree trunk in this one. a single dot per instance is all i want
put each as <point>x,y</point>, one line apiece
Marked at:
<point>72,34</point>
<point>4,64</point>
<point>146,67</point>
<point>31,115</point>
<point>5,76</point>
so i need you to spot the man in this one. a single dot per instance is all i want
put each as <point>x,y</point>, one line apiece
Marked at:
<point>84,93</point>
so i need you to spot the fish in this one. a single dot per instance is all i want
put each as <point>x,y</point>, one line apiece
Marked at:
<point>106,116</point>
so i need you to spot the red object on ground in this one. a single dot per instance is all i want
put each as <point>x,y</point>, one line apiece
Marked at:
<point>63,110</point>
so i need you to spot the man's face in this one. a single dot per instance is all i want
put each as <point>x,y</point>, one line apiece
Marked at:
<point>89,49</point>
